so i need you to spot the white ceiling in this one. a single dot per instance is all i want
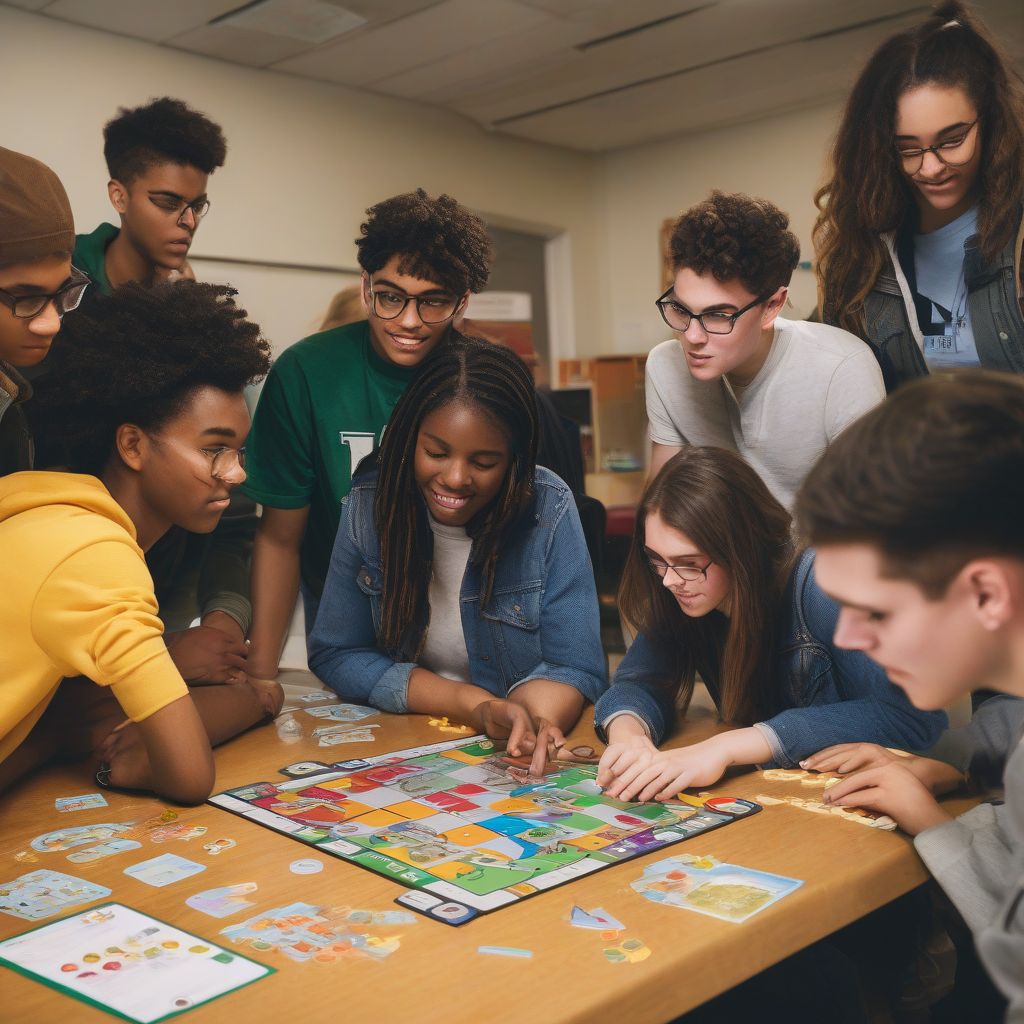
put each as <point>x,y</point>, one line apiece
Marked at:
<point>591,75</point>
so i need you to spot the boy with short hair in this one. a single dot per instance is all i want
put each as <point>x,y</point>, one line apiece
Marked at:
<point>328,398</point>
<point>740,376</point>
<point>149,396</point>
<point>159,157</point>
<point>916,516</point>
<point>37,287</point>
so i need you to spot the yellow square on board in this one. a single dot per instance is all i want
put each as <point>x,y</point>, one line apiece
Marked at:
<point>412,811</point>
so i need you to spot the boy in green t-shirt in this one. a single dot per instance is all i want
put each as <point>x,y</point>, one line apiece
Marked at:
<point>159,157</point>
<point>328,398</point>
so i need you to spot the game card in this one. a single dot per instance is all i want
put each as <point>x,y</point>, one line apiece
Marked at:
<point>165,870</point>
<point>41,894</point>
<point>85,802</point>
<point>128,963</point>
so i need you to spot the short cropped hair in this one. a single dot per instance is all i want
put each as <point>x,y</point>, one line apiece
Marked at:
<point>932,478</point>
<point>164,131</point>
<point>736,237</point>
<point>137,356</point>
<point>437,239</point>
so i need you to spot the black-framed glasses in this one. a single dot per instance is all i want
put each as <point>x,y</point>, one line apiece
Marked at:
<point>954,152</point>
<point>679,318</point>
<point>173,204</point>
<point>64,299</point>
<point>431,309</point>
<point>687,573</point>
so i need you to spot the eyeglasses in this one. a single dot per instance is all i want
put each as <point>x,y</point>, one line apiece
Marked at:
<point>678,317</point>
<point>954,152</point>
<point>431,309</point>
<point>172,204</point>
<point>687,573</point>
<point>65,299</point>
<point>223,459</point>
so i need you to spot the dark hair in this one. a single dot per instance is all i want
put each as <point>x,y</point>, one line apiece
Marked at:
<point>496,381</point>
<point>164,131</point>
<point>713,497</point>
<point>867,193</point>
<point>437,239</point>
<point>737,237</point>
<point>137,356</point>
<point>932,478</point>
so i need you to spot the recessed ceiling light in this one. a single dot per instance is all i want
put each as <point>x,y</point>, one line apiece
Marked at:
<point>308,21</point>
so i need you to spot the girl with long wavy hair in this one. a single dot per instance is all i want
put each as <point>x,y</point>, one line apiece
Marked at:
<point>919,232</point>
<point>460,583</point>
<point>714,587</point>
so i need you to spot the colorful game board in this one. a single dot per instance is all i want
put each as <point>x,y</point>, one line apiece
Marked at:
<point>464,829</point>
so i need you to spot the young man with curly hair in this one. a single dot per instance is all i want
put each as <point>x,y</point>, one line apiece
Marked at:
<point>159,158</point>
<point>916,517</point>
<point>149,396</point>
<point>37,287</point>
<point>328,398</point>
<point>740,376</point>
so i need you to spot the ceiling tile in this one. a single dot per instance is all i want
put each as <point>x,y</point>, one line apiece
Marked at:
<point>144,19</point>
<point>239,45</point>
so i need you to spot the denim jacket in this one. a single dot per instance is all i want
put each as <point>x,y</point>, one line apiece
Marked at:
<point>541,622</point>
<point>829,695</point>
<point>993,296</point>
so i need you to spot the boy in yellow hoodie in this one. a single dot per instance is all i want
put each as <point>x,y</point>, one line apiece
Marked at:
<point>149,403</point>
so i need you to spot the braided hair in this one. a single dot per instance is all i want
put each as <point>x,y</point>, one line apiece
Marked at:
<point>494,380</point>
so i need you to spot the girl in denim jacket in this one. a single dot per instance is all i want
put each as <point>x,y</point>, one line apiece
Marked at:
<point>460,583</point>
<point>714,587</point>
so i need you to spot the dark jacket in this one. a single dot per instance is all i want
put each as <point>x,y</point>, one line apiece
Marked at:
<point>16,451</point>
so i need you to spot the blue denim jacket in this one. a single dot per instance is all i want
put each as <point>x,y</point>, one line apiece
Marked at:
<point>542,620</point>
<point>829,695</point>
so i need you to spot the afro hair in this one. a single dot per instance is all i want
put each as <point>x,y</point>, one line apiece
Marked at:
<point>737,237</point>
<point>437,240</point>
<point>164,131</point>
<point>137,356</point>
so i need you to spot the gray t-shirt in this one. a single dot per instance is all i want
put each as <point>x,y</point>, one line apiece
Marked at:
<point>815,382</point>
<point>444,648</point>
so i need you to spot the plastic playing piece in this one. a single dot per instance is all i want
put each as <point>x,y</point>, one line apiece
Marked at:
<point>306,867</point>
<point>288,729</point>
<point>506,951</point>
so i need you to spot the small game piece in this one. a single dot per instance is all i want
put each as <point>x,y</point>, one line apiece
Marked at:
<point>288,729</point>
<point>178,830</point>
<point>41,894</point>
<point>299,769</point>
<point>150,971</point>
<point>523,954</point>
<point>306,866</point>
<point>219,846</point>
<point>26,857</point>
<point>164,870</point>
<point>630,951</point>
<point>85,802</point>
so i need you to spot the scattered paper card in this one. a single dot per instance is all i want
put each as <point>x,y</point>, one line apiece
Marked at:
<point>342,712</point>
<point>165,870</point>
<point>599,919</point>
<point>726,891</point>
<point>223,901</point>
<point>85,802</point>
<point>41,894</point>
<point>128,963</point>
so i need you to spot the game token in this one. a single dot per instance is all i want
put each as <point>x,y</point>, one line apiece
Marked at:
<point>506,951</point>
<point>306,867</point>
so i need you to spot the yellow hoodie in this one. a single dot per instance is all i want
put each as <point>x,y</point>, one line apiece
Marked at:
<point>76,598</point>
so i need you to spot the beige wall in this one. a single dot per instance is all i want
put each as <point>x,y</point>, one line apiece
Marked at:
<point>305,160</point>
<point>779,158</point>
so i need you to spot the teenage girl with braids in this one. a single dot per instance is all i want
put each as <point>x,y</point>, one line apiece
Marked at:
<point>919,234</point>
<point>460,583</point>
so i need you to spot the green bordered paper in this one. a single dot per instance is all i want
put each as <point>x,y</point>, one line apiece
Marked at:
<point>128,963</point>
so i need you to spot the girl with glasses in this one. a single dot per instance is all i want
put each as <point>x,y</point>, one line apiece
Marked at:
<point>918,237</point>
<point>714,587</point>
<point>460,583</point>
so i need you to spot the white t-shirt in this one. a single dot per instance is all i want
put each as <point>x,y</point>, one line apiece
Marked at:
<point>815,382</point>
<point>444,648</point>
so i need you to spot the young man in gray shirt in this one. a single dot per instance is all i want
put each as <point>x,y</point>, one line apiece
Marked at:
<point>738,375</point>
<point>915,514</point>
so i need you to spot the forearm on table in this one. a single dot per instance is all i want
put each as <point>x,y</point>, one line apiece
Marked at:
<point>625,726</point>
<point>227,710</point>
<point>431,694</point>
<point>742,746</point>
<point>275,589</point>
<point>551,701</point>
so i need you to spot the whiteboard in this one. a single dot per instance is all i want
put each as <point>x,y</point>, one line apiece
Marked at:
<point>288,303</point>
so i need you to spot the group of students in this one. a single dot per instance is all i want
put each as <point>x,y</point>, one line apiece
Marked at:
<point>443,568</point>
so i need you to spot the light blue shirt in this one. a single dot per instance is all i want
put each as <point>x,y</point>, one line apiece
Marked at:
<point>942,294</point>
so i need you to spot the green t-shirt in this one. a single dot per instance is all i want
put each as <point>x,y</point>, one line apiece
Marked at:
<point>323,408</point>
<point>90,253</point>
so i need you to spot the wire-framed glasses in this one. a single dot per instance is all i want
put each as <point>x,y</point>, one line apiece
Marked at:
<point>687,573</point>
<point>953,152</point>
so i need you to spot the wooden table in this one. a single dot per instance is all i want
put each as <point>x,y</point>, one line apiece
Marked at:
<point>437,974</point>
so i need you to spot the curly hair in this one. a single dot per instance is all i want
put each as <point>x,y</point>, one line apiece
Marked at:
<point>137,356</point>
<point>166,130</point>
<point>437,240</point>
<point>737,237</point>
<point>867,193</point>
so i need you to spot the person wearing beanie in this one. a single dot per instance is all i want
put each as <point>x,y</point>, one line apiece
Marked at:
<point>159,157</point>
<point>37,287</point>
